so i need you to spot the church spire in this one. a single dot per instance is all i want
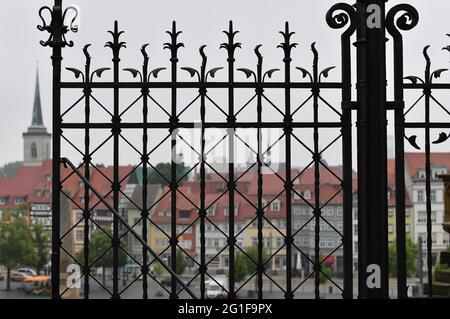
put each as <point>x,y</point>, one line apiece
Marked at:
<point>37,107</point>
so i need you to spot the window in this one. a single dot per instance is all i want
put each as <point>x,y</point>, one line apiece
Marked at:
<point>79,235</point>
<point>275,206</point>
<point>391,228</point>
<point>433,217</point>
<point>19,200</point>
<point>211,211</point>
<point>330,242</point>
<point>307,194</point>
<point>226,211</point>
<point>408,228</point>
<point>185,214</point>
<point>433,196</point>
<point>422,174</point>
<point>420,197</point>
<point>279,242</point>
<point>340,225</point>
<point>305,241</point>
<point>2,200</point>
<point>48,178</point>
<point>33,150</point>
<point>355,229</point>
<point>339,211</point>
<point>296,210</point>
<point>390,212</point>
<point>322,243</point>
<point>422,217</point>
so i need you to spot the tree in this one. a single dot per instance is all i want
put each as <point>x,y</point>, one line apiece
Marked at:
<point>181,262</point>
<point>240,267</point>
<point>100,247</point>
<point>16,243</point>
<point>164,169</point>
<point>412,251</point>
<point>158,269</point>
<point>41,240</point>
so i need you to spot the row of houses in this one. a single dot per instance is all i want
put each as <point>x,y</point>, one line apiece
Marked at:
<point>29,190</point>
<point>26,186</point>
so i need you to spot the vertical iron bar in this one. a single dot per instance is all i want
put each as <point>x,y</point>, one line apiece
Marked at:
<point>427,92</point>
<point>335,22</point>
<point>231,120</point>
<point>116,163</point>
<point>393,28</point>
<point>87,159</point>
<point>372,149</point>
<point>259,160</point>
<point>347,165</point>
<point>57,58</point>
<point>202,92</point>
<point>316,159</point>
<point>173,46</point>
<point>144,212</point>
<point>288,179</point>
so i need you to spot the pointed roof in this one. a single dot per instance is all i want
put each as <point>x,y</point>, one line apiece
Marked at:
<point>37,107</point>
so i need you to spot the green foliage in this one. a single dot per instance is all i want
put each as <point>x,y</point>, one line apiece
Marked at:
<point>240,267</point>
<point>41,239</point>
<point>252,252</point>
<point>164,169</point>
<point>244,266</point>
<point>412,251</point>
<point>438,267</point>
<point>16,242</point>
<point>325,271</point>
<point>100,243</point>
<point>181,262</point>
<point>158,269</point>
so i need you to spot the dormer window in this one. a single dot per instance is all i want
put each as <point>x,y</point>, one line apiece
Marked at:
<point>275,206</point>
<point>19,200</point>
<point>211,211</point>
<point>422,174</point>
<point>307,194</point>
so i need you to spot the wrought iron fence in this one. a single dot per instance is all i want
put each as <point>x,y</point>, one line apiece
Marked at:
<point>259,79</point>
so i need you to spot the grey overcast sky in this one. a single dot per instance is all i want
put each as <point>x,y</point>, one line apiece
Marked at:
<point>202,22</point>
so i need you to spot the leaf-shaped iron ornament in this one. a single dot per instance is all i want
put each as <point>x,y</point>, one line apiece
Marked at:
<point>442,138</point>
<point>155,72</point>
<point>305,73</point>
<point>134,72</point>
<point>100,71</point>
<point>270,73</point>
<point>76,72</point>
<point>191,71</point>
<point>213,71</point>
<point>414,79</point>
<point>413,141</point>
<point>248,73</point>
<point>326,71</point>
<point>437,74</point>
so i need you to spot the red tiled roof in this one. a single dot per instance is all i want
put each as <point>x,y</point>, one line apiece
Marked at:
<point>416,161</point>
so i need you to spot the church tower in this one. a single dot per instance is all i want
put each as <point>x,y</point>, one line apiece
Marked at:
<point>36,141</point>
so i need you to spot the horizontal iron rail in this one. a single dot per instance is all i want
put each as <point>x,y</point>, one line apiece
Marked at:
<point>435,86</point>
<point>65,162</point>
<point>193,85</point>
<point>435,125</point>
<point>165,125</point>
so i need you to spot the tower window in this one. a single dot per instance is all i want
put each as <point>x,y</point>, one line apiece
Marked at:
<point>33,150</point>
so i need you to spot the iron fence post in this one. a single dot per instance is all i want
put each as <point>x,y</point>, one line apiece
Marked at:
<point>372,149</point>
